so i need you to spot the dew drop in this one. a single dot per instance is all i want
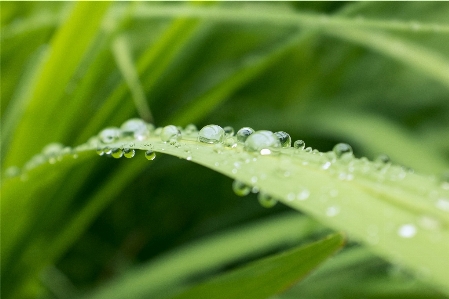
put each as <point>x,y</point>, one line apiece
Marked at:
<point>332,211</point>
<point>382,159</point>
<point>240,188</point>
<point>308,149</point>
<point>266,200</point>
<point>190,129</point>
<point>299,144</point>
<point>229,131</point>
<point>158,131</point>
<point>135,127</point>
<point>117,153</point>
<point>284,138</point>
<point>262,140</point>
<point>109,135</point>
<point>243,134</point>
<point>230,142</point>
<point>303,195</point>
<point>100,151</point>
<point>407,231</point>
<point>341,149</point>
<point>211,134</point>
<point>170,133</point>
<point>150,155</point>
<point>129,152</point>
<point>107,150</point>
<point>52,149</point>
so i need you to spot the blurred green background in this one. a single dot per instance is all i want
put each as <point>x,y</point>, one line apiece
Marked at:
<point>373,74</point>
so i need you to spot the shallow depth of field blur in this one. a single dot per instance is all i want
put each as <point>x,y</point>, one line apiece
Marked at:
<point>372,74</point>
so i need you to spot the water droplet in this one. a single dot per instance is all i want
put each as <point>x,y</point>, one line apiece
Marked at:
<point>229,131</point>
<point>284,138</point>
<point>190,129</point>
<point>129,152</point>
<point>341,149</point>
<point>266,200</point>
<point>169,133</point>
<point>116,152</point>
<point>407,231</point>
<point>243,134</point>
<point>303,195</point>
<point>332,211</point>
<point>100,151</point>
<point>109,135</point>
<point>230,142</point>
<point>150,155</point>
<point>52,149</point>
<point>299,144</point>
<point>211,134</point>
<point>240,188</point>
<point>308,149</point>
<point>262,140</point>
<point>107,150</point>
<point>158,131</point>
<point>133,127</point>
<point>382,160</point>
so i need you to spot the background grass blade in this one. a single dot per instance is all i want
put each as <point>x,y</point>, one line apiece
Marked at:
<point>268,276</point>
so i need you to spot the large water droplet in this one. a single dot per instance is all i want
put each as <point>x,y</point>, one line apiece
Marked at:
<point>136,128</point>
<point>284,138</point>
<point>266,200</point>
<point>190,129</point>
<point>116,152</point>
<point>407,231</point>
<point>109,135</point>
<point>299,144</point>
<point>150,155</point>
<point>240,188</point>
<point>169,133</point>
<point>341,149</point>
<point>229,131</point>
<point>211,134</point>
<point>262,140</point>
<point>129,152</point>
<point>52,149</point>
<point>243,134</point>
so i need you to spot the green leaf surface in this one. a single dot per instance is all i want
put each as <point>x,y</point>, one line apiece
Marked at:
<point>268,276</point>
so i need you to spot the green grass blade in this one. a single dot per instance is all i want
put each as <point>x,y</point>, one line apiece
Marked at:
<point>269,276</point>
<point>66,51</point>
<point>173,270</point>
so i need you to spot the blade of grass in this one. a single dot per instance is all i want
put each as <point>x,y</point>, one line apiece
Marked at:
<point>67,49</point>
<point>175,268</point>
<point>268,276</point>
